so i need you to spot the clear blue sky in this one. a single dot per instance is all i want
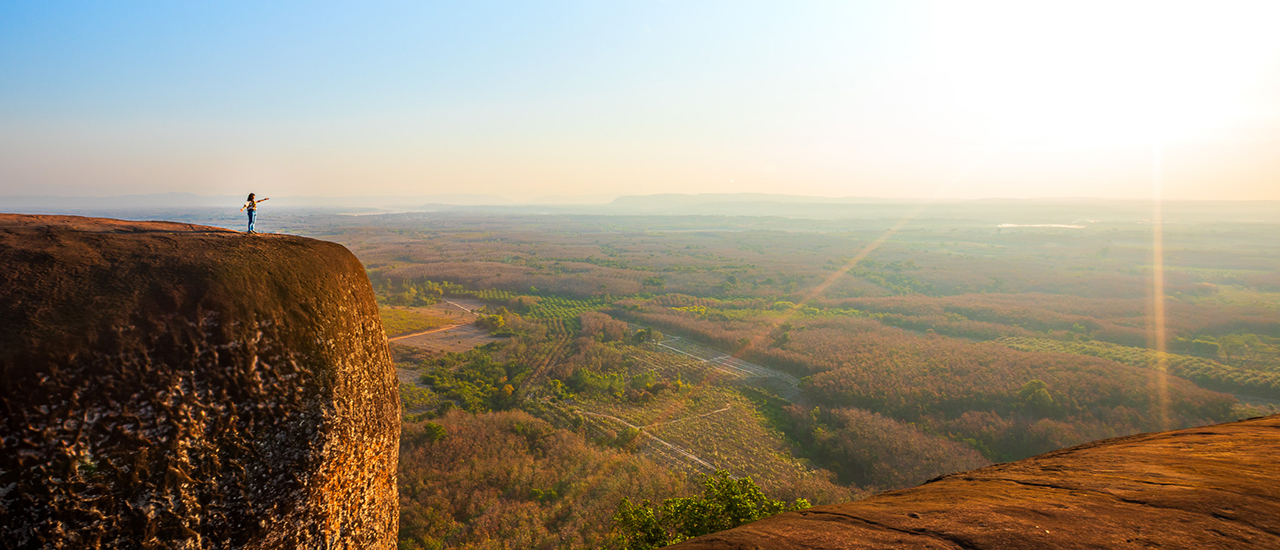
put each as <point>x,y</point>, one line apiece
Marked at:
<point>527,99</point>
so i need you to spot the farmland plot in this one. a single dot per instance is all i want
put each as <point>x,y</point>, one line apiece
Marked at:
<point>704,428</point>
<point>781,383</point>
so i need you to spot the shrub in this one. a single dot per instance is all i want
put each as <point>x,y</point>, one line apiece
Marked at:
<point>725,503</point>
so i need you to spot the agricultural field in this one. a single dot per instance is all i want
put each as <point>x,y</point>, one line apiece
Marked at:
<point>448,325</point>
<point>1245,382</point>
<point>535,306</point>
<point>449,338</point>
<point>398,321</point>
<point>708,428</point>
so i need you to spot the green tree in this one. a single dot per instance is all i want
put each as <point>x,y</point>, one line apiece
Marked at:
<point>429,432</point>
<point>1228,346</point>
<point>1034,396</point>
<point>490,322</point>
<point>725,503</point>
<point>781,340</point>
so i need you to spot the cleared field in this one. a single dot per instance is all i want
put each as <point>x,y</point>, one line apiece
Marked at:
<point>785,385</point>
<point>459,310</point>
<point>704,428</point>
<point>455,331</point>
<point>458,338</point>
<point>398,321</point>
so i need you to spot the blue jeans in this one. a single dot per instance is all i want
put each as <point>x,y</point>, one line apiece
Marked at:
<point>253,215</point>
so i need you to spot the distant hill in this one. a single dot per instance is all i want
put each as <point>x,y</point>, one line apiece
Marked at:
<point>681,199</point>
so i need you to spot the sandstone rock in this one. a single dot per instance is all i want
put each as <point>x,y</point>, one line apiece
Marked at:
<point>1212,487</point>
<point>166,385</point>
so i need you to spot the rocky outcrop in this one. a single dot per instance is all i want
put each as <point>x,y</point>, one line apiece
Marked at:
<point>174,386</point>
<point>1212,487</point>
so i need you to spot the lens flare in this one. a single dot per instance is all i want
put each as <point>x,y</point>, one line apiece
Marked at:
<point>1156,320</point>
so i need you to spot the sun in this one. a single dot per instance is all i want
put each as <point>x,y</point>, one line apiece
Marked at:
<point>1085,75</point>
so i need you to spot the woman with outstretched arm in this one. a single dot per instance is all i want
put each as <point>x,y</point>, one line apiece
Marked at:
<point>252,206</point>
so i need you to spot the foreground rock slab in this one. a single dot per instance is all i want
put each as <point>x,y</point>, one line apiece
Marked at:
<point>1211,487</point>
<point>166,385</point>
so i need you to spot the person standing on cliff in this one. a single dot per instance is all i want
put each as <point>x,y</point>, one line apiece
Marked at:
<point>252,206</point>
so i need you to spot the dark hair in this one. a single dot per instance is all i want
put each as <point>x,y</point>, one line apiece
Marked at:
<point>250,197</point>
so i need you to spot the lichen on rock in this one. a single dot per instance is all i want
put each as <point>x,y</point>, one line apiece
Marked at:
<point>175,386</point>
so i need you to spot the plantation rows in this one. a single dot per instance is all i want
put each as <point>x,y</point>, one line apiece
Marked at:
<point>787,386</point>
<point>1204,372</point>
<point>615,433</point>
<point>562,308</point>
<point>538,307</point>
<point>696,400</point>
<point>667,365</point>
<point>542,354</point>
<point>488,294</point>
<point>706,429</point>
<point>675,456</point>
<point>693,363</point>
<point>735,439</point>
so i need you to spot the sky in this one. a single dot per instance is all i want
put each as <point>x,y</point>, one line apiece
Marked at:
<point>561,99</point>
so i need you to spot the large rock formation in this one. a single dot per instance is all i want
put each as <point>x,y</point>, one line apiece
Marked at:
<point>1212,487</point>
<point>174,386</point>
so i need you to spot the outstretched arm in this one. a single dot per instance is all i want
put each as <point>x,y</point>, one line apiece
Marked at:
<point>265,199</point>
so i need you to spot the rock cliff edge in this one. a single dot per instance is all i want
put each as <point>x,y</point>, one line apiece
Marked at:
<point>1211,487</point>
<point>165,385</point>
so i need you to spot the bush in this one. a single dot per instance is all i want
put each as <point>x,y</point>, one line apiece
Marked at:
<point>414,397</point>
<point>725,503</point>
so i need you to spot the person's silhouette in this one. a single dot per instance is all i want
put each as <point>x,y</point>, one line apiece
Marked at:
<point>252,206</point>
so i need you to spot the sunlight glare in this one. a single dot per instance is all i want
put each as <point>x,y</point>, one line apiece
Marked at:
<point>1094,74</point>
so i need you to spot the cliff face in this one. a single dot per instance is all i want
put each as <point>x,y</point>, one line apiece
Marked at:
<point>1212,487</point>
<point>174,386</point>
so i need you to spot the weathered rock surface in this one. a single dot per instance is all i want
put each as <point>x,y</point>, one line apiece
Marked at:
<point>166,385</point>
<point>1212,487</point>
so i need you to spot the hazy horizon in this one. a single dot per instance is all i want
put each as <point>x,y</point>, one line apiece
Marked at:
<point>565,99</point>
<point>463,199</point>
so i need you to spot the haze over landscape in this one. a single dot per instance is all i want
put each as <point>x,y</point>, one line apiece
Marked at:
<point>582,275</point>
<point>566,99</point>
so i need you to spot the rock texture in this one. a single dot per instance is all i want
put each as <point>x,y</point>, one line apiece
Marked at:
<point>174,386</point>
<point>1212,487</point>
